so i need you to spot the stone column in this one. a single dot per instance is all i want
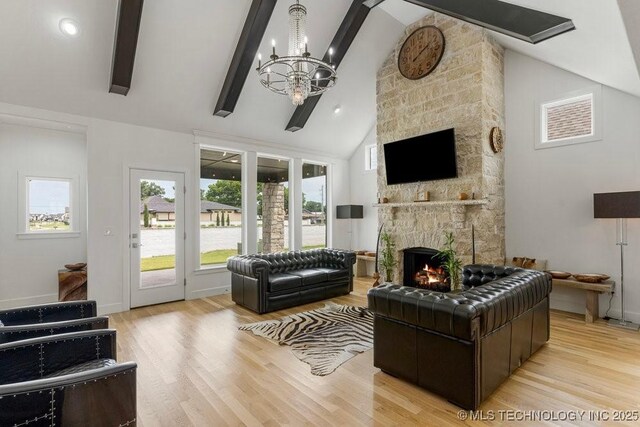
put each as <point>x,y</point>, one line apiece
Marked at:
<point>273,217</point>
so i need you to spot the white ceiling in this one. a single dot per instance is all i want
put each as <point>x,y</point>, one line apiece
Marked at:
<point>185,48</point>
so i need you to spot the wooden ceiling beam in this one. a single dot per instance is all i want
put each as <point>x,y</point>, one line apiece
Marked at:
<point>244,56</point>
<point>526,24</point>
<point>351,24</point>
<point>124,49</point>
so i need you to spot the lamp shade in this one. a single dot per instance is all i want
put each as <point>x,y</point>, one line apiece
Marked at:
<point>350,211</point>
<point>625,204</point>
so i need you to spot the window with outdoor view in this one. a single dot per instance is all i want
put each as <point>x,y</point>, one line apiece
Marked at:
<point>49,205</point>
<point>220,206</point>
<point>314,206</point>
<point>273,205</point>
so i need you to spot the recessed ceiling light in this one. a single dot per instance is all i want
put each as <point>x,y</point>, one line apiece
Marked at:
<point>69,27</point>
<point>337,109</point>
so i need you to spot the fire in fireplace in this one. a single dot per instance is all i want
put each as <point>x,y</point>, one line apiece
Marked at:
<point>422,269</point>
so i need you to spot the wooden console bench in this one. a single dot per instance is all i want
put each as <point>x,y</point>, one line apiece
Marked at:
<point>593,291</point>
<point>361,264</point>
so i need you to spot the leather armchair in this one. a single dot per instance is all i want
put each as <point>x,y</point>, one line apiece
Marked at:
<point>49,319</point>
<point>462,345</point>
<point>67,379</point>
<point>268,282</point>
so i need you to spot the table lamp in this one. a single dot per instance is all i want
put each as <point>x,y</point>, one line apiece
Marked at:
<point>620,206</point>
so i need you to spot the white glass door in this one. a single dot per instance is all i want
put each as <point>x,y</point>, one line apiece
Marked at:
<point>156,237</point>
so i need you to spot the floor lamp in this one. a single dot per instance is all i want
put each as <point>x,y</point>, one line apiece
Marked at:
<point>620,206</point>
<point>350,212</point>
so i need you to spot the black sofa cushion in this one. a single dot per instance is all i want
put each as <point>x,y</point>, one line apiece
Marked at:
<point>310,276</point>
<point>335,273</point>
<point>283,281</point>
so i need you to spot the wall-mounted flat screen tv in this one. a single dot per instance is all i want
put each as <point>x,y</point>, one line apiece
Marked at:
<point>422,158</point>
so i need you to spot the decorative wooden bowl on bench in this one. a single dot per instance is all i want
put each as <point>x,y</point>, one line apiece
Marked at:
<point>591,277</point>
<point>559,274</point>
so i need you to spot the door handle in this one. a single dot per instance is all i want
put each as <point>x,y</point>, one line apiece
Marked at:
<point>136,245</point>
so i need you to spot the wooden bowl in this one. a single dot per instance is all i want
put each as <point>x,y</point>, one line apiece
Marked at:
<point>370,254</point>
<point>75,267</point>
<point>590,277</point>
<point>559,274</point>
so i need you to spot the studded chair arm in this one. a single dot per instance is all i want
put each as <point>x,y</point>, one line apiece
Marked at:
<point>44,313</point>
<point>23,332</point>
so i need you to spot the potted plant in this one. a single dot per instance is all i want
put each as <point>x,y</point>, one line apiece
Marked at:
<point>450,262</point>
<point>388,256</point>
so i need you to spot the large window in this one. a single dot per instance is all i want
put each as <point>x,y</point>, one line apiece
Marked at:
<point>314,206</point>
<point>273,204</point>
<point>570,119</point>
<point>49,205</point>
<point>220,206</point>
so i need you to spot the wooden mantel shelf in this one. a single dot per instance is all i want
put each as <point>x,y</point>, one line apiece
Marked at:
<point>433,203</point>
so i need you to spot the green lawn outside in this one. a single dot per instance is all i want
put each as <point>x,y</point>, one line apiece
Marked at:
<point>48,225</point>
<point>164,262</point>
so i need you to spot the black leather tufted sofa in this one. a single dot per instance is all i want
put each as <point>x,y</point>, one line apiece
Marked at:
<point>269,282</point>
<point>462,345</point>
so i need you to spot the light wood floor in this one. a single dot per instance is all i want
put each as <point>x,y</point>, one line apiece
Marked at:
<point>196,368</point>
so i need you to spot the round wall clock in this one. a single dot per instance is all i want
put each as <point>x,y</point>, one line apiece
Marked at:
<point>421,52</point>
<point>496,139</point>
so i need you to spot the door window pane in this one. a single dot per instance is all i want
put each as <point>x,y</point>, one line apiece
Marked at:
<point>49,205</point>
<point>273,205</point>
<point>157,233</point>
<point>314,206</point>
<point>220,206</point>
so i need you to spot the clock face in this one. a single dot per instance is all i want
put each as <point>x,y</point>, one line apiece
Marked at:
<point>421,52</point>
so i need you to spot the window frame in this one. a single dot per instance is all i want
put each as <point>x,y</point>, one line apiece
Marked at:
<point>328,198</point>
<point>24,232</point>
<point>243,157</point>
<point>367,157</point>
<point>595,92</point>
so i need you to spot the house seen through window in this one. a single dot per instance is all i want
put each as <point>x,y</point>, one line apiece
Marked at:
<point>49,205</point>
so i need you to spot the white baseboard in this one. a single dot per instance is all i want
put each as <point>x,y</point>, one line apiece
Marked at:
<point>209,292</point>
<point>110,308</point>
<point>20,302</point>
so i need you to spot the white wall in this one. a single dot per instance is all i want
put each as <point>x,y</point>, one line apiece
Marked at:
<point>549,192</point>
<point>30,266</point>
<point>364,190</point>
<point>111,149</point>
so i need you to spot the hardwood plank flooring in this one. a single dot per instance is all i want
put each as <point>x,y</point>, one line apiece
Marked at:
<point>196,368</point>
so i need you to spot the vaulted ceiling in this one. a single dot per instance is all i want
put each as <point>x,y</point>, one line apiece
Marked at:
<point>185,48</point>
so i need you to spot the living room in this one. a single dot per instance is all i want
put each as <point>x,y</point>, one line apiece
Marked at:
<point>134,139</point>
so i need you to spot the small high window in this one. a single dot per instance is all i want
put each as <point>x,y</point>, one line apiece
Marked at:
<point>371,157</point>
<point>571,119</point>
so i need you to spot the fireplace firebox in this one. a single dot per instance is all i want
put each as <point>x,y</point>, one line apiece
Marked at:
<point>422,269</point>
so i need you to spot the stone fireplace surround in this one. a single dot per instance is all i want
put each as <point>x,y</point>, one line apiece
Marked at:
<point>465,92</point>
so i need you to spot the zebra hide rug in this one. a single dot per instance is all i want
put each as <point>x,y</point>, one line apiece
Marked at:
<point>323,338</point>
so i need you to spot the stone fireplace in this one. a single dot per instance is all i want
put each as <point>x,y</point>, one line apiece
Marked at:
<point>464,92</point>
